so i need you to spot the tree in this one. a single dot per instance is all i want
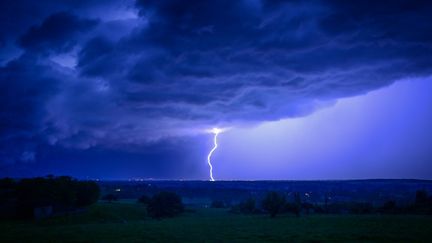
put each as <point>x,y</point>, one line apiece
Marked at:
<point>247,206</point>
<point>297,203</point>
<point>7,190</point>
<point>144,199</point>
<point>165,204</point>
<point>218,204</point>
<point>388,207</point>
<point>88,192</point>
<point>64,191</point>
<point>273,203</point>
<point>110,198</point>
<point>423,203</point>
<point>7,183</point>
<point>292,208</point>
<point>421,197</point>
<point>60,193</point>
<point>361,208</point>
<point>307,207</point>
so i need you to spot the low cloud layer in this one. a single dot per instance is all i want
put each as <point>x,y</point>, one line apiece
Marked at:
<point>123,74</point>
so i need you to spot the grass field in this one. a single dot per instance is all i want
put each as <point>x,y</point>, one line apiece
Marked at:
<point>127,222</point>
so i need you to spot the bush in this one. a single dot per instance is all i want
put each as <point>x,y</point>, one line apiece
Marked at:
<point>292,208</point>
<point>7,190</point>
<point>423,203</point>
<point>144,199</point>
<point>218,204</point>
<point>361,208</point>
<point>247,206</point>
<point>307,207</point>
<point>165,204</point>
<point>60,193</point>
<point>274,203</point>
<point>110,198</point>
<point>388,207</point>
<point>88,192</point>
<point>421,197</point>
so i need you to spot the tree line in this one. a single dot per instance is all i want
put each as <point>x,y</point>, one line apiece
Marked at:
<point>22,198</point>
<point>275,203</point>
<point>163,204</point>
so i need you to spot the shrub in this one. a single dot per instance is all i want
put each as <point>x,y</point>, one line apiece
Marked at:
<point>247,206</point>
<point>165,204</point>
<point>388,207</point>
<point>110,198</point>
<point>421,197</point>
<point>144,199</point>
<point>292,208</point>
<point>7,190</point>
<point>60,193</point>
<point>88,192</point>
<point>218,204</point>
<point>361,208</point>
<point>273,203</point>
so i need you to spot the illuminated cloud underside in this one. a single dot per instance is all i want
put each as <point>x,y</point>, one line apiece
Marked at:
<point>129,76</point>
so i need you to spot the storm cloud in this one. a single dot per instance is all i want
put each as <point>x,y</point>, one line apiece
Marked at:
<point>123,74</point>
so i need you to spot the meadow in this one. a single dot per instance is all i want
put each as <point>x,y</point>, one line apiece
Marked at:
<point>127,222</point>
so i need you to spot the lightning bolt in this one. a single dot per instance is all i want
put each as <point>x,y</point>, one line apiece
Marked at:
<point>215,131</point>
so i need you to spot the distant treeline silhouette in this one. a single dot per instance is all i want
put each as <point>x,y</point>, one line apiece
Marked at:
<point>45,196</point>
<point>163,204</point>
<point>275,203</point>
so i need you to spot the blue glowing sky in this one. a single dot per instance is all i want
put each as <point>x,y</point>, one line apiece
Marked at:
<point>384,134</point>
<point>125,89</point>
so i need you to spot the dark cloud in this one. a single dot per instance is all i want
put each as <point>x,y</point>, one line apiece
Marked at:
<point>58,33</point>
<point>262,60</point>
<point>26,86</point>
<point>182,67</point>
<point>18,15</point>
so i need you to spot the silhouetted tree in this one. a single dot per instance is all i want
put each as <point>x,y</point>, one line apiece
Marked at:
<point>7,190</point>
<point>88,192</point>
<point>423,203</point>
<point>307,207</point>
<point>247,206</point>
<point>144,199</point>
<point>110,198</point>
<point>292,208</point>
<point>273,203</point>
<point>7,183</point>
<point>217,204</point>
<point>165,204</point>
<point>319,209</point>
<point>64,191</point>
<point>361,208</point>
<point>421,197</point>
<point>388,207</point>
<point>326,202</point>
<point>60,193</point>
<point>297,204</point>
<point>7,198</point>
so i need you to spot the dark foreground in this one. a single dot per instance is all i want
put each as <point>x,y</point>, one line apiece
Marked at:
<point>127,222</point>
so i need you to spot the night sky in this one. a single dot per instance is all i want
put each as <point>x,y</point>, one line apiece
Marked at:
<point>120,89</point>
